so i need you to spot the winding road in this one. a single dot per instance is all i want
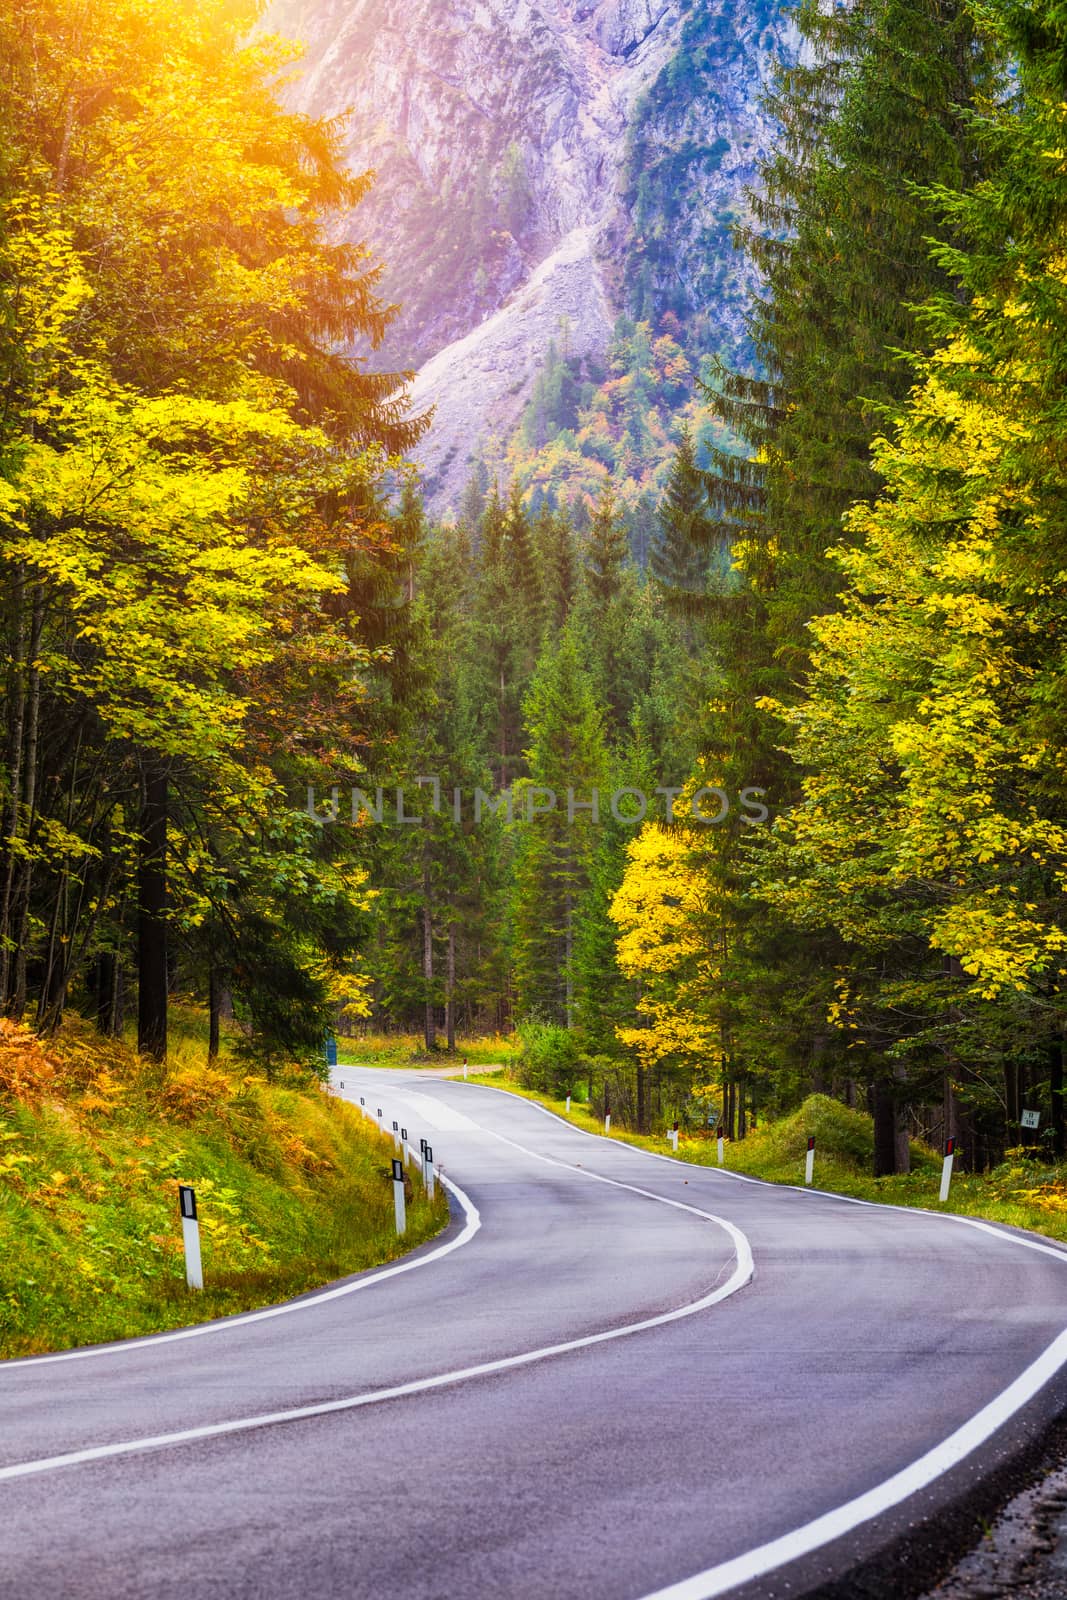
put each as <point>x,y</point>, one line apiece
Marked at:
<point>614,1377</point>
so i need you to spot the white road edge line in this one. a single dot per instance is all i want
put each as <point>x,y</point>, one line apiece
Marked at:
<point>811,1536</point>
<point>779,1188</point>
<point>765,1558</point>
<point>307,1302</point>
<point>743,1270</point>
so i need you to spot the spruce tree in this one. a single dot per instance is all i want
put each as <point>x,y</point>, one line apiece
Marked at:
<point>566,756</point>
<point>680,555</point>
<point>606,550</point>
<point>875,115</point>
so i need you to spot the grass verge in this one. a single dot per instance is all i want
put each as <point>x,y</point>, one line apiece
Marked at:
<point>1024,1191</point>
<point>292,1188</point>
<point>409,1050</point>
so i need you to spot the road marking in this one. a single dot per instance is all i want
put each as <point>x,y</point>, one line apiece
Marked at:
<point>472,1222</point>
<point>743,1270</point>
<point>844,1519</point>
<point>883,1497</point>
<point>790,1188</point>
<point>435,1113</point>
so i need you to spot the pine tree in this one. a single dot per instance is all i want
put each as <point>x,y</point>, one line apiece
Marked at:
<point>932,831</point>
<point>876,110</point>
<point>566,759</point>
<point>681,550</point>
<point>557,566</point>
<point>606,551</point>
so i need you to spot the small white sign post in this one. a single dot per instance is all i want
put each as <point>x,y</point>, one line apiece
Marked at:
<point>721,1142</point>
<point>1030,1119</point>
<point>396,1134</point>
<point>405,1146</point>
<point>568,1105</point>
<point>380,1124</point>
<point>194,1272</point>
<point>427,1170</point>
<point>672,1135</point>
<point>946,1169</point>
<point>398,1195</point>
<point>809,1162</point>
<point>464,1069</point>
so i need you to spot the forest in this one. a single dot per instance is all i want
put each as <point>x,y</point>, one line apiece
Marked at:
<point>716,745</point>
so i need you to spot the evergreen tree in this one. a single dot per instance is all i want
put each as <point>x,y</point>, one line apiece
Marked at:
<point>932,831</point>
<point>557,566</point>
<point>680,553</point>
<point>566,759</point>
<point>877,109</point>
<point>606,551</point>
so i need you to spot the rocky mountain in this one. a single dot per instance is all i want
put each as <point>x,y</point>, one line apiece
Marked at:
<point>543,166</point>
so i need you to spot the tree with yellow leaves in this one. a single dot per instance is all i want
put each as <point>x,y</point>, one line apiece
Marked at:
<point>932,832</point>
<point>187,463</point>
<point>661,911</point>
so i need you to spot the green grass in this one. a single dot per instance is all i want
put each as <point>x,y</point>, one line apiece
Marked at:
<point>409,1050</point>
<point>292,1188</point>
<point>1024,1192</point>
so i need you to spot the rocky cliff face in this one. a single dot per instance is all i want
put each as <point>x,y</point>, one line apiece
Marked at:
<point>542,166</point>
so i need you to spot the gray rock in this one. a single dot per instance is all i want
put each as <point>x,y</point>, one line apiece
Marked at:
<point>501,133</point>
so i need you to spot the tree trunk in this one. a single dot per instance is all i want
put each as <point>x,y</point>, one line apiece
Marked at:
<point>1055,1062</point>
<point>900,1126</point>
<point>742,1126</point>
<point>25,875</point>
<point>429,1021</point>
<point>642,1108</point>
<point>152,916</point>
<point>1012,1102</point>
<point>885,1131</point>
<point>450,991</point>
<point>568,973</point>
<point>16,721</point>
<point>214,1010</point>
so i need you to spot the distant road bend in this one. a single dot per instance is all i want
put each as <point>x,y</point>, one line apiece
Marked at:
<point>615,1377</point>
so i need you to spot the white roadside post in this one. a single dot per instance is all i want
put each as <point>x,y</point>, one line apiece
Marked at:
<point>946,1169</point>
<point>809,1161</point>
<point>568,1105</point>
<point>721,1142</point>
<point>362,1106</point>
<point>673,1137</point>
<point>404,1146</point>
<point>607,1115</point>
<point>194,1272</point>
<point>396,1134</point>
<point>380,1121</point>
<point>398,1195</point>
<point>427,1171</point>
<point>464,1069</point>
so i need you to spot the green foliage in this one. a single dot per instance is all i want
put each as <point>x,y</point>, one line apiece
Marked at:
<point>550,1059</point>
<point>291,1185</point>
<point>585,429</point>
<point>189,518</point>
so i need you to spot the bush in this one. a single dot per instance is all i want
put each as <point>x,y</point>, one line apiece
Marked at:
<point>550,1061</point>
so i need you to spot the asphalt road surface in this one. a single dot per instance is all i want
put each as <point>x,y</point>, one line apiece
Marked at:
<point>615,1377</point>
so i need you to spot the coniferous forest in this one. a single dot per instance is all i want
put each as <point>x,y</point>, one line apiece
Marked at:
<point>715,742</point>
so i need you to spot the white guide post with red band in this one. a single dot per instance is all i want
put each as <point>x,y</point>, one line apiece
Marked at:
<point>946,1169</point>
